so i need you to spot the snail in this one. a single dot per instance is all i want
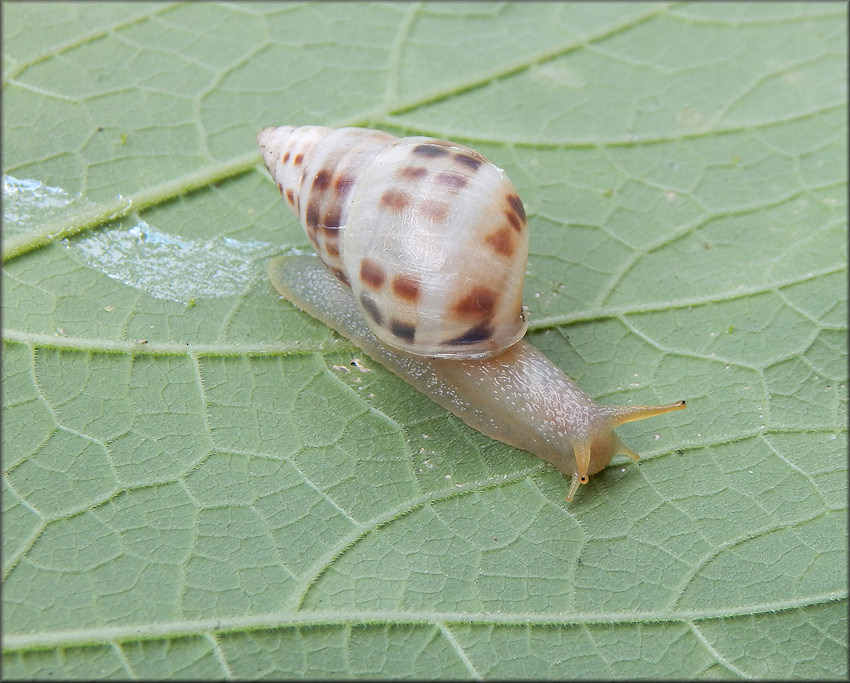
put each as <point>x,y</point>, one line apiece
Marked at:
<point>424,244</point>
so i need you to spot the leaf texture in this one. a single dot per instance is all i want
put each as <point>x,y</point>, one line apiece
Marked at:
<point>203,482</point>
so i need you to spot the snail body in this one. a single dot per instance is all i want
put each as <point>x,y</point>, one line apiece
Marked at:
<point>424,244</point>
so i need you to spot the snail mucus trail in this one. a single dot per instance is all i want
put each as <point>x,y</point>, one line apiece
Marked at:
<point>423,246</point>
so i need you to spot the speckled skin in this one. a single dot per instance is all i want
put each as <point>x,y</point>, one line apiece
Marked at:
<point>430,236</point>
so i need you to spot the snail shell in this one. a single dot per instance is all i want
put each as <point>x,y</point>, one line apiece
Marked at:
<point>425,244</point>
<point>431,237</point>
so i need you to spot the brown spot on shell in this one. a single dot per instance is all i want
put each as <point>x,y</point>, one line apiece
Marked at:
<point>434,210</point>
<point>518,209</point>
<point>312,217</point>
<point>332,249</point>
<point>501,241</point>
<point>342,277</point>
<point>331,217</point>
<point>403,330</point>
<point>413,172</point>
<point>513,220</point>
<point>371,274</point>
<point>469,161</point>
<point>290,196</point>
<point>478,302</point>
<point>472,336</point>
<point>452,181</point>
<point>322,180</point>
<point>331,241</point>
<point>395,200</point>
<point>428,150</point>
<point>286,157</point>
<point>298,159</point>
<point>371,309</point>
<point>405,287</point>
<point>343,184</point>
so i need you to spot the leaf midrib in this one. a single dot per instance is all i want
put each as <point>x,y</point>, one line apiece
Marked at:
<point>274,620</point>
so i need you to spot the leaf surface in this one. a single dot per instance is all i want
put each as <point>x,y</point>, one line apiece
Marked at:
<point>203,482</point>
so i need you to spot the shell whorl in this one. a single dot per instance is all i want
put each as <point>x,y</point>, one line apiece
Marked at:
<point>431,237</point>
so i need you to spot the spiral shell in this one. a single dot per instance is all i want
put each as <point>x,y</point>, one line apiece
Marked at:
<point>431,237</point>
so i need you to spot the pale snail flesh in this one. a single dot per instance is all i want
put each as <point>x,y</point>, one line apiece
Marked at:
<point>424,244</point>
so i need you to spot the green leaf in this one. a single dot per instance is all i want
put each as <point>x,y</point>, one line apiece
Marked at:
<point>203,482</point>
